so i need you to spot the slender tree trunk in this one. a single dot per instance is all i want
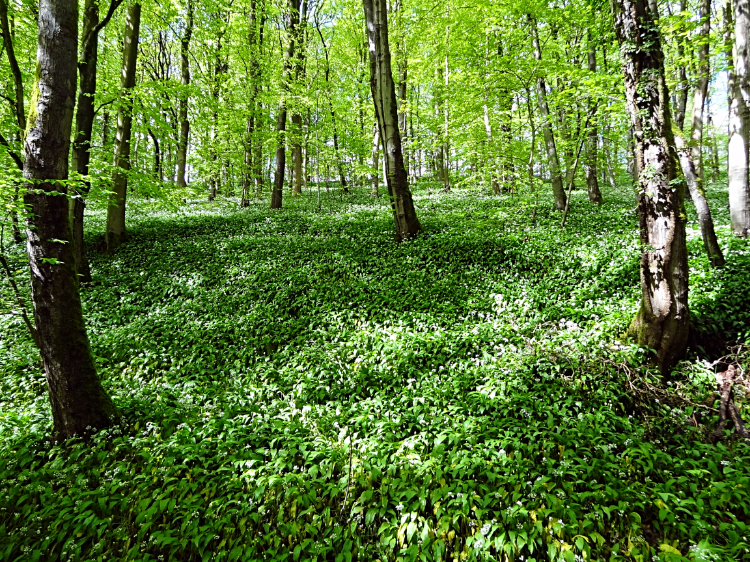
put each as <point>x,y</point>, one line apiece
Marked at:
<point>592,146</point>
<point>278,180</point>
<point>384,98</point>
<point>17,103</point>
<point>662,322</point>
<point>558,189</point>
<point>182,143</point>
<point>87,66</point>
<point>116,210</point>
<point>374,179</point>
<point>695,186</point>
<point>296,137</point>
<point>157,157</point>
<point>490,149</point>
<point>339,161</point>
<point>683,88</point>
<point>20,115</point>
<point>79,402</point>
<point>739,122</point>
<point>701,89</point>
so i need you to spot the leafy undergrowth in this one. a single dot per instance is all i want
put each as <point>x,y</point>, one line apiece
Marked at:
<point>296,386</point>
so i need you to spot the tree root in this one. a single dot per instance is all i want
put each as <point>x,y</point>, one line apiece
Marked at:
<point>725,380</point>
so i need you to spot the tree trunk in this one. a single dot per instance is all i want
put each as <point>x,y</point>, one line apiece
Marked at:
<point>384,98</point>
<point>558,189</point>
<point>182,143</point>
<point>490,149</point>
<point>697,193</point>
<point>20,116</point>
<point>739,122</point>
<point>278,180</point>
<point>85,112</point>
<point>79,402</point>
<point>681,91</point>
<point>701,89</point>
<point>374,179</point>
<point>15,69</point>
<point>662,322</point>
<point>592,145</point>
<point>116,210</point>
<point>297,135</point>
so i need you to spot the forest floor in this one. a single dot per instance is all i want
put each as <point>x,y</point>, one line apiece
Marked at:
<point>294,385</point>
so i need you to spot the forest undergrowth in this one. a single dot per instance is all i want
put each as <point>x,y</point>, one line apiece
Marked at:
<point>295,385</point>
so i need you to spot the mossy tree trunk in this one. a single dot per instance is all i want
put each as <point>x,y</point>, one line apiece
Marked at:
<point>79,402</point>
<point>386,110</point>
<point>662,321</point>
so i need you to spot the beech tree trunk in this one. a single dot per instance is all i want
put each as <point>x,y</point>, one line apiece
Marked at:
<point>592,144</point>
<point>491,150</point>
<point>278,180</point>
<point>386,111</point>
<point>739,122</point>
<point>116,210</point>
<point>79,402</point>
<point>182,142</point>
<point>662,322</point>
<point>297,136</point>
<point>558,190</point>
<point>85,112</point>
<point>701,89</point>
<point>374,179</point>
<point>695,187</point>
<point>682,89</point>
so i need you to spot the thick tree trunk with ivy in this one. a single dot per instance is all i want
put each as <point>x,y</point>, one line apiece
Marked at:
<point>116,210</point>
<point>739,122</point>
<point>386,110</point>
<point>79,402</point>
<point>281,115</point>
<point>553,160</point>
<point>662,322</point>
<point>182,143</point>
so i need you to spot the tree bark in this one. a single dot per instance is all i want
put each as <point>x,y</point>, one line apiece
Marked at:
<point>339,162</point>
<point>278,180</point>
<point>14,67</point>
<point>739,122</point>
<point>182,142</point>
<point>682,89</point>
<point>592,144</point>
<point>558,189</point>
<point>662,322</point>
<point>697,193</point>
<point>116,210</point>
<point>85,113</point>
<point>374,179</point>
<point>386,106</point>
<point>79,402</point>
<point>701,89</point>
